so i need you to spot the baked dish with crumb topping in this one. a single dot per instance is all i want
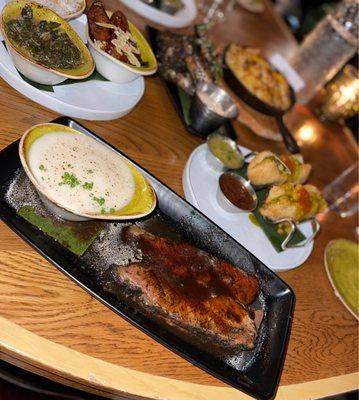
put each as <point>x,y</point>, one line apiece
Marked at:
<point>258,76</point>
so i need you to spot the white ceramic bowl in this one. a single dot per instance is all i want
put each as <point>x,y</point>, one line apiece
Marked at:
<point>142,203</point>
<point>23,61</point>
<point>118,71</point>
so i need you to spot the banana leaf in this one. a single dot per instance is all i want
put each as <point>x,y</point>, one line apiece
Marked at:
<point>75,236</point>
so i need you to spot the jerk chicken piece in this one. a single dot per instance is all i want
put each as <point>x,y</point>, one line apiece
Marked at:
<point>113,35</point>
<point>220,317</point>
<point>97,13</point>
<point>188,262</point>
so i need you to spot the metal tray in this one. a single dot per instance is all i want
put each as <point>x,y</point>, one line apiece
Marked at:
<point>255,372</point>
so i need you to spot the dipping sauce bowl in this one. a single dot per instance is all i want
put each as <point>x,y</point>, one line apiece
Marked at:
<point>223,153</point>
<point>211,107</point>
<point>236,194</point>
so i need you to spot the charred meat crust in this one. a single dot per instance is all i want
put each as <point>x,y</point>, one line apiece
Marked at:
<point>185,260</point>
<point>220,317</point>
<point>190,288</point>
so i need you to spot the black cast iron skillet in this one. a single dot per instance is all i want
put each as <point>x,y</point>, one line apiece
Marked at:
<point>248,97</point>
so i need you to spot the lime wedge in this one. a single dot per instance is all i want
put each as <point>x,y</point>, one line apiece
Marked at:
<point>342,266</point>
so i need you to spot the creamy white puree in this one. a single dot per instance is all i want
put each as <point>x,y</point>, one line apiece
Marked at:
<point>80,174</point>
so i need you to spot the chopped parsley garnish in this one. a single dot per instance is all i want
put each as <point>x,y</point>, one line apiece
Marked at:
<point>99,200</point>
<point>69,165</point>
<point>89,171</point>
<point>112,210</point>
<point>103,211</point>
<point>88,185</point>
<point>42,167</point>
<point>69,179</point>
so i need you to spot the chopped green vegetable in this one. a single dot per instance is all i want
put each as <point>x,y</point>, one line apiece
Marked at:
<point>99,200</point>
<point>69,179</point>
<point>88,185</point>
<point>42,167</point>
<point>89,171</point>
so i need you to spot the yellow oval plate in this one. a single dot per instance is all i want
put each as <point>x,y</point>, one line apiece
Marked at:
<point>146,52</point>
<point>13,10</point>
<point>142,203</point>
<point>342,265</point>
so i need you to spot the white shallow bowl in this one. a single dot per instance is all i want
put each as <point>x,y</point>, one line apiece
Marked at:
<point>118,71</point>
<point>23,60</point>
<point>181,19</point>
<point>108,68</point>
<point>34,72</point>
<point>141,204</point>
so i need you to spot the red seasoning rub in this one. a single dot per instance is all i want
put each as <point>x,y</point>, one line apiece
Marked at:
<point>236,192</point>
<point>191,288</point>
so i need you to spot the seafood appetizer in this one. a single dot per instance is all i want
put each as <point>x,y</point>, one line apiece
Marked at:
<point>67,9</point>
<point>189,288</point>
<point>258,76</point>
<point>266,169</point>
<point>42,45</point>
<point>294,202</point>
<point>113,35</point>
<point>186,60</point>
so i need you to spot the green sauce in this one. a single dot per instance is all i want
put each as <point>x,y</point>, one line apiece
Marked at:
<point>342,259</point>
<point>47,43</point>
<point>225,152</point>
<point>254,220</point>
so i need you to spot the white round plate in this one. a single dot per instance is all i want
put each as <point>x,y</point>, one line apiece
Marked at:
<point>91,100</point>
<point>181,19</point>
<point>200,183</point>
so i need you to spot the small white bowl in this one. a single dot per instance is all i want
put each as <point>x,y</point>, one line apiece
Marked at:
<point>118,71</point>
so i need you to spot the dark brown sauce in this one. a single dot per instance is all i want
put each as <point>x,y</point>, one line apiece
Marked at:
<point>193,291</point>
<point>235,192</point>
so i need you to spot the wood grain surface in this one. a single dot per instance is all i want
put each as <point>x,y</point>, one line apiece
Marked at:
<point>38,298</point>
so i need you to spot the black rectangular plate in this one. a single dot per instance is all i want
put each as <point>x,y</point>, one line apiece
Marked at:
<point>172,90</point>
<point>257,371</point>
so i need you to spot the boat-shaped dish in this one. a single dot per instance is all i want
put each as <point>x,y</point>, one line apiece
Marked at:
<point>254,371</point>
<point>23,60</point>
<point>142,203</point>
<point>59,7</point>
<point>118,71</point>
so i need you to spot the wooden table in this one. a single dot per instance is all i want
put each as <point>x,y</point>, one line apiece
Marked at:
<point>50,326</point>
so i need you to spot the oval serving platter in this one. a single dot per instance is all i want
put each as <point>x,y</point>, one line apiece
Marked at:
<point>255,371</point>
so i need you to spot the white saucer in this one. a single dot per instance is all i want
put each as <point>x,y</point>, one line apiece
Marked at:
<point>92,100</point>
<point>200,183</point>
<point>181,19</point>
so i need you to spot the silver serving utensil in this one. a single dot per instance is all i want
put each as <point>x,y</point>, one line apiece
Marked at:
<point>292,226</point>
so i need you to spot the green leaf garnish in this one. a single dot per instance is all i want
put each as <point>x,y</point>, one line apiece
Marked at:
<point>69,179</point>
<point>99,200</point>
<point>88,185</point>
<point>42,167</point>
